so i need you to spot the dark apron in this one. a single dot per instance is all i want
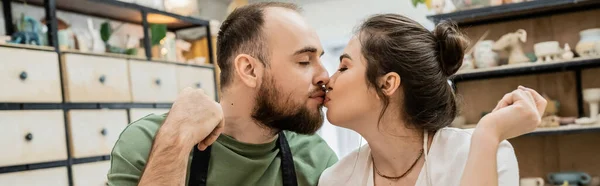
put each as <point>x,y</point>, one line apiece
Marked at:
<point>199,169</point>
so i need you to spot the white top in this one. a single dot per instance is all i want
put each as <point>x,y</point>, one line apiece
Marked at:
<point>444,163</point>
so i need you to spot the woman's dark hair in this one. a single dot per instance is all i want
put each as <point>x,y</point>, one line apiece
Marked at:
<point>423,59</point>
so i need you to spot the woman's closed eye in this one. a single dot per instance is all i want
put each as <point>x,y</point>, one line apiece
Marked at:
<point>343,68</point>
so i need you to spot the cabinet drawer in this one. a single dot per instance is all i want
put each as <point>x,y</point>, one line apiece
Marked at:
<point>197,78</point>
<point>91,174</point>
<point>94,132</point>
<point>153,82</point>
<point>95,79</point>
<point>136,114</point>
<point>32,137</point>
<point>42,177</point>
<point>29,76</point>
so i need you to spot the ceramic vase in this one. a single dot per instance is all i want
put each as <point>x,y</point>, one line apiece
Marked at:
<point>587,44</point>
<point>484,56</point>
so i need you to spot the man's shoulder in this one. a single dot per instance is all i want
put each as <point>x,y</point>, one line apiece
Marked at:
<point>301,142</point>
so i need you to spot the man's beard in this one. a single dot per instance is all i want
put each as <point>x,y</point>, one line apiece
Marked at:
<point>277,112</point>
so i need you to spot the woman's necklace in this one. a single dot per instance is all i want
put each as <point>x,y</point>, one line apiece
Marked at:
<point>401,176</point>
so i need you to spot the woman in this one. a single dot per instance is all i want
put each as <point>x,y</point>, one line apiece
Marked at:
<point>394,72</point>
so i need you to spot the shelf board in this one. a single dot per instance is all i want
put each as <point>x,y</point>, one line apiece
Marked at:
<point>125,12</point>
<point>52,106</point>
<point>515,11</point>
<point>112,55</point>
<point>567,129</point>
<point>123,56</point>
<point>525,69</point>
<point>44,165</point>
<point>573,128</point>
<point>184,64</point>
<point>24,46</point>
<point>91,159</point>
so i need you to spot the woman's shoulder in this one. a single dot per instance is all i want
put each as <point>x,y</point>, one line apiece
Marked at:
<point>350,169</point>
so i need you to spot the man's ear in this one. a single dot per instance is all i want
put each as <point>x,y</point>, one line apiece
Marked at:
<point>389,83</point>
<point>248,69</point>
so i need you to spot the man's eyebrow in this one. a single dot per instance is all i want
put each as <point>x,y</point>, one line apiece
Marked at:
<point>308,49</point>
<point>345,56</point>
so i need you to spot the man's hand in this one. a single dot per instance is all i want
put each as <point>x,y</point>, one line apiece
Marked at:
<point>196,117</point>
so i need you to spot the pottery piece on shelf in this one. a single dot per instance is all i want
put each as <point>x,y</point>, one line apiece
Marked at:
<point>29,31</point>
<point>484,55</point>
<point>550,121</point>
<point>98,45</point>
<point>533,181</point>
<point>182,46</point>
<point>577,178</point>
<point>567,53</point>
<point>438,6</point>
<point>512,43</point>
<point>586,45</point>
<point>592,96</point>
<point>547,51</point>
<point>467,63</point>
<point>496,2</point>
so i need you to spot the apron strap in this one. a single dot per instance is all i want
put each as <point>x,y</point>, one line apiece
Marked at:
<point>199,169</point>
<point>288,171</point>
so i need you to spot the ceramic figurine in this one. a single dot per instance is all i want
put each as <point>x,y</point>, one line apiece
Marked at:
<point>567,52</point>
<point>438,6</point>
<point>512,43</point>
<point>484,55</point>
<point>550,121</point>
<point>29,31</point>
<point>531,182</point>
<point>547,51</point>
<point>97,43</point>
<point>592,96</point>
<point>182,46</point>
<point>577,178</point>
<point>586,45</point>
<point>496,2</point>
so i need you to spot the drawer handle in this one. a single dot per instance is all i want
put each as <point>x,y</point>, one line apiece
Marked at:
<point>198,85</point>
<point>102,79</point>
<point>157,82</point>
<point>29,137</point>
<point>23,75</point>
<point>103,132</point>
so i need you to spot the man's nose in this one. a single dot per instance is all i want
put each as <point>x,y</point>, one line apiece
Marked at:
<point>322,77</point>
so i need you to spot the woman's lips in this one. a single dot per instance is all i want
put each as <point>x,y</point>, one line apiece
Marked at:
<point>326,100</point>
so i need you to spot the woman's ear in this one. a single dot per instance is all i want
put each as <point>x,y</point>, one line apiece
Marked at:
<point>389,83</point>
<point>248,69</point>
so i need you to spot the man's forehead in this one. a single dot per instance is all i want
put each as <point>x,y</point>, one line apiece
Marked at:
<point>285,27</point>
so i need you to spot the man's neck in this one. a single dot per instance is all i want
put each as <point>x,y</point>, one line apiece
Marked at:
<point>240,126</point>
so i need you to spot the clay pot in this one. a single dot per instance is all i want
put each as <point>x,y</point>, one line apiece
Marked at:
<point>587,44</point>
<point>484,56</point>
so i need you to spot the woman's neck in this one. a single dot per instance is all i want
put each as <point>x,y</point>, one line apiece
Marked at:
<point>394,147</point>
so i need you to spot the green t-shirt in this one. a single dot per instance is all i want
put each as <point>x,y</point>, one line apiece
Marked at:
<point>232,163</point>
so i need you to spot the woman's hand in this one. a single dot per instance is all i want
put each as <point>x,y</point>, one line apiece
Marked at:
<point>517,113</point>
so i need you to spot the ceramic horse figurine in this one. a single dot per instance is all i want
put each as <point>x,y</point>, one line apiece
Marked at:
<point>511,43</point>
<point>29,32</point>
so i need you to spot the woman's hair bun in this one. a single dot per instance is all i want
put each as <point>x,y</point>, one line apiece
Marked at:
<point>451,46</point>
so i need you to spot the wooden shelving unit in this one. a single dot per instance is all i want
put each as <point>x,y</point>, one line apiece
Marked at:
<point>546,150</point>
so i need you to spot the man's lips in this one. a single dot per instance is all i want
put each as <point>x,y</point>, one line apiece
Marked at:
<point>319,96</point>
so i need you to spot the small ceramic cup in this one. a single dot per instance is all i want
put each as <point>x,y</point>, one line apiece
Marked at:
<point>536,181</point>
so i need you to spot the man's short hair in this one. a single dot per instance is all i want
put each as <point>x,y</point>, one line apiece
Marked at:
<point>242,32</point>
